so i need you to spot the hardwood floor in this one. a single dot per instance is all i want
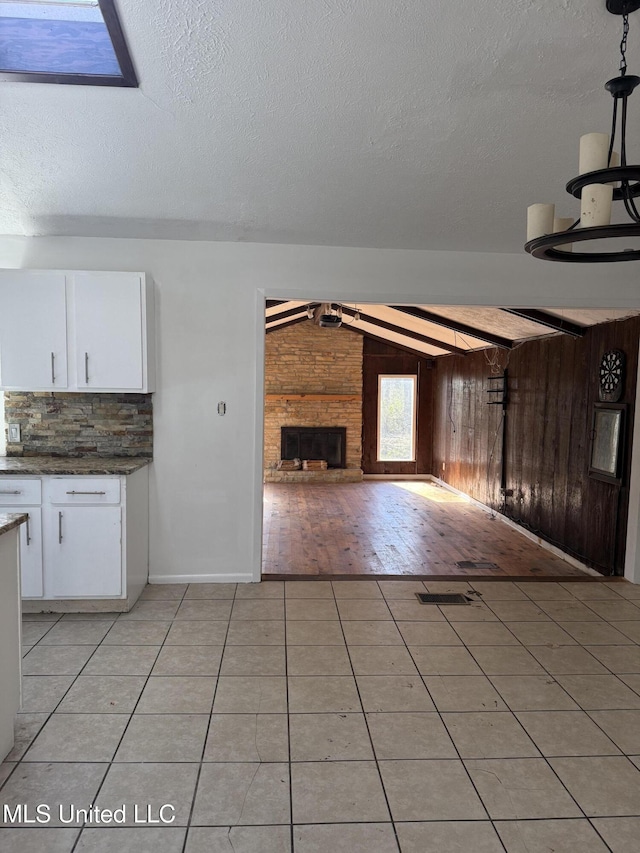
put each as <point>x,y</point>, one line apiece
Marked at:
<point>388,529</point>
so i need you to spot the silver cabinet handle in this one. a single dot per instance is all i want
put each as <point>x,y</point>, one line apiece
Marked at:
<point>59,528</point>
<point>86,493</point>
<point>53,368</point>
<point>7,492</point>
<point>86,368</point>
<point>28,531</point>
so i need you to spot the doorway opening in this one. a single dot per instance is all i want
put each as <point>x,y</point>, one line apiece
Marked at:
<point>466,435</point>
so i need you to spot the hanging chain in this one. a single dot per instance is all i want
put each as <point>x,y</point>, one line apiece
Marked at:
<point>623,45</point>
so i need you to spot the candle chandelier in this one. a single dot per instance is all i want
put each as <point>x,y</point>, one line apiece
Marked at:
<point>605,177</point>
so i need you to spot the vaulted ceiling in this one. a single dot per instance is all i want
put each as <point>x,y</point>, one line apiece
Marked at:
<point>396,123</point>
<point>443,330</point>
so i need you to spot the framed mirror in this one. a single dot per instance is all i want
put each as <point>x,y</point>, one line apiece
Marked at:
<point>607,442</point>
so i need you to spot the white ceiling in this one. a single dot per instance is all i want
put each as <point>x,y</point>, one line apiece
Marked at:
<point>393,123</point>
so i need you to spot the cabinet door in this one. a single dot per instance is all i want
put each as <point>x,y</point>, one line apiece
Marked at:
<point>108,330</point>
<point>33,331</point>
<point>30,551</point>
<point>85,554</point>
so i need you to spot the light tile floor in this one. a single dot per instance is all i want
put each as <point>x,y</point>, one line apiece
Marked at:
<point>311,716</point>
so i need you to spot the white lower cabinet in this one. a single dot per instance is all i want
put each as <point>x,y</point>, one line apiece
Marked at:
<point>30,535</point>
<point>24,495</point>
<point>85,551</point>
<point>31,553</point>
<point>87,537</point>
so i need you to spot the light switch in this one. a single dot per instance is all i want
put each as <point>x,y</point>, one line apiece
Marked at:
<point>14,433</point>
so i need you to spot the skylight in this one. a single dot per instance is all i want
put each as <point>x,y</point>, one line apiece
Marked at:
<point>64,41</point>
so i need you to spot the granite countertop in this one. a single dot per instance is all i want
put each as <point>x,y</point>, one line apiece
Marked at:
<point>94,465</point>
<point>10,520</point>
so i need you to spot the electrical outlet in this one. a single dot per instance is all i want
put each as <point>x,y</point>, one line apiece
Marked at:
<point>14,433</point>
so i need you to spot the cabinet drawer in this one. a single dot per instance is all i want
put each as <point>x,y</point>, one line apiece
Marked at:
<point>20,492</point>
<point>85,490</point>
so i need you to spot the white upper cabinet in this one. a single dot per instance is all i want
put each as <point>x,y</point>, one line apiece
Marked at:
<point>109,332</point>
<point>33,331</point>
<point>99,324</point>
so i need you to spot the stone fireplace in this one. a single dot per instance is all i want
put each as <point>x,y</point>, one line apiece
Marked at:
<point>313,387</point>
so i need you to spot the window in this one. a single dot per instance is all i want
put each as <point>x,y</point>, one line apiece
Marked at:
<point>397,418</point>
<point>64,41</point>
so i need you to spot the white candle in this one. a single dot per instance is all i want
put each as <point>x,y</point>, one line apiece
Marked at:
<point>595,207</point>
<point>539,220</point>
<point>594,150</point>
<point>615,161</point>
<point>563,223</point>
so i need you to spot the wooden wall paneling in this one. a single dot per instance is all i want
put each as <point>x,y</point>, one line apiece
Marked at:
<point>533,438</point>
<point>453,427</point>
<point>494,439</point>
<point>424,448</point>
<point>600,503</point>
<point>562,444</point>
<point>629,396</point>
<point>495,448</point>
<point>548,397</point>
<point>515,452</point>
<point>483,437</point>
<point>439,436</point>
<point>553,385</point>
<point>576,388</point>
<point>470,390</point>
<point>369,403</point>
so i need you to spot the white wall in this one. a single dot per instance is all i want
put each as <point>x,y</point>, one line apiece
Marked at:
<point>206,478</point>
<point>3,435</point>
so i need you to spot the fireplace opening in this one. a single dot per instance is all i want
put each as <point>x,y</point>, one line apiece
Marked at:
<point>329,443</point>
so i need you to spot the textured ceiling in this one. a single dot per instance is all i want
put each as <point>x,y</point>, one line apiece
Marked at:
<point>395,123</point>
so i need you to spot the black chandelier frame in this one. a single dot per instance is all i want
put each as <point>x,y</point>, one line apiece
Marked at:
<point>625,177</point>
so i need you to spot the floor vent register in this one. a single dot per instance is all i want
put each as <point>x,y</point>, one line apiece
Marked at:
<point>442,598</point>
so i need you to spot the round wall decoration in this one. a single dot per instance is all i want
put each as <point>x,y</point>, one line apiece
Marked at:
<point>611,376</point>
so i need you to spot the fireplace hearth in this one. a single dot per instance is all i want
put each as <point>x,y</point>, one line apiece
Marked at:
<point>328,443</point>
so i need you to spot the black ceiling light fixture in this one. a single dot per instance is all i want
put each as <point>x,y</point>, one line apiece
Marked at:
<point>605,177</point>
<point>328,315</point>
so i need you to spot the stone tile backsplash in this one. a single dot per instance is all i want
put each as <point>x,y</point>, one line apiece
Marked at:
<point>59,424</point>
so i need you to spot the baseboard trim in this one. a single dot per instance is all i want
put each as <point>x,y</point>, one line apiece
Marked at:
<point>428,478</point>
<point>230,578</point>
<point>75,605</point>
<point>557,552</point>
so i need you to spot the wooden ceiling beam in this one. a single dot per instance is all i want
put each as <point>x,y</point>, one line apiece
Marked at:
<point>543,318</point>
<point>416,352</point>
<point>407,333</point>
<point>290,312</point>
<point>454,326</point>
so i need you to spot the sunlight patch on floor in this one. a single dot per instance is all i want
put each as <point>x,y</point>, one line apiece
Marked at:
<point>430,492</point>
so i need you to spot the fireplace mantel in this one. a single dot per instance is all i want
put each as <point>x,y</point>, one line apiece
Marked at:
<point>327,398</point>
